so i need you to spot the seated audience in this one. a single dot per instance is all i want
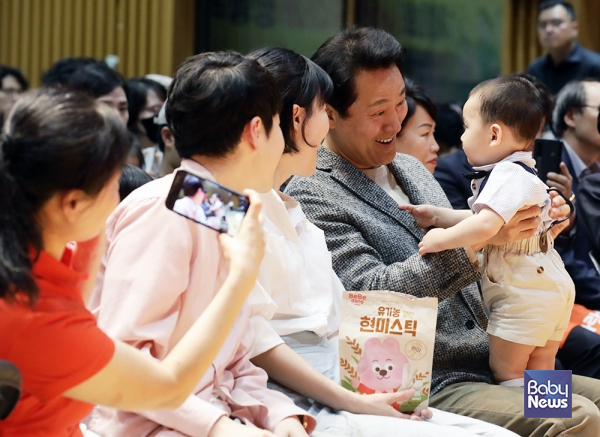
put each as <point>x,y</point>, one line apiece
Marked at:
<point>146,98</point>
<point>12,84</point>
<point>103,84</point>
<point>575,122</point>
<point>132,177</point>
<point>60,156</point>
<point>296,303</point>
<point>374,245</point>
<point>416,133</point>
<point>163,270</point>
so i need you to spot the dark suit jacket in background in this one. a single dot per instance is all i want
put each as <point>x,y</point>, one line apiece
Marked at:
<point>589,209</point>
<point>374,246</point>
<point>449,174</point>
<point>580,64</point>
<point>575,249</point>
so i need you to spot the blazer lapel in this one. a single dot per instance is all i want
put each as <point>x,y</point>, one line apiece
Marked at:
<point>364,188</point>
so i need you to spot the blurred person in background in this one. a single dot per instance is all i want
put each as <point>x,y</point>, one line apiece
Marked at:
<point>12,84</point>
<point>565,60</point>
<point>61,71</point>
<point>448,128</point>
<point>451,167</point>
<point>146,97</point>
<point>416,134</point>
<point>103,84</point>
<point>171,159</point>
<point>575,123</point>
<point>132,177</point>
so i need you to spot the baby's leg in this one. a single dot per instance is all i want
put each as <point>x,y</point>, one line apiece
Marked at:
<point>508,360</point>
<point>542,358</point>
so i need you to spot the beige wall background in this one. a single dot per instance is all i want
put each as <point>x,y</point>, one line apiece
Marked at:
<point>520,44</point>
<point>149,36</point>
<point>155,36</point>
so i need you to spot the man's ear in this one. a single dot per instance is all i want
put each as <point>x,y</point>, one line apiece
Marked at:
<point>167,137</point>
<point>332,115</point>
<point>569,118</point>
<point>496,133</point>
<point>252,131</point>
<point>575,27</point>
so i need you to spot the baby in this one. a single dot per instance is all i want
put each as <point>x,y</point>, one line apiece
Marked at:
<point>525,285</point>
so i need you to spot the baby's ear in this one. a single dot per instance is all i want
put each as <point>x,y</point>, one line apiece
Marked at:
<point>496,134</point>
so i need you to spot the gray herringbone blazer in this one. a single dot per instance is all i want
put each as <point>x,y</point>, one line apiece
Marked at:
<point>374,246</point>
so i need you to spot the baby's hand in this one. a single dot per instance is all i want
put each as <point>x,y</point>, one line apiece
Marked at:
<point>424,215</point>
<point>432,242</point>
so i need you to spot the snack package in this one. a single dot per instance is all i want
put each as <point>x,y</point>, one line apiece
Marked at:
<point>386,344</point>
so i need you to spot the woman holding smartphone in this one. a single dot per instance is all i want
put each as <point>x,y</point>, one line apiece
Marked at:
<point>60,161</point>
<point>296,303</point>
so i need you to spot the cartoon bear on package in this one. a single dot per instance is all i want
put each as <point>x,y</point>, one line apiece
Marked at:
<point>382,367</point>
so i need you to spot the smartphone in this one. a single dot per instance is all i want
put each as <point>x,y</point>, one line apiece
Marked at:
<point>548,156</point>
<point>207,202</point>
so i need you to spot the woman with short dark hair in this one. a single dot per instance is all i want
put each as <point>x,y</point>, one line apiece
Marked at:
<point>416,136</point>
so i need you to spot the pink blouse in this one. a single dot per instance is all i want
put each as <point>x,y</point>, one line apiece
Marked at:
<point>159,274</point>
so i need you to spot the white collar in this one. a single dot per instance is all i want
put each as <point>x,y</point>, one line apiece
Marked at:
<point>524,157</point>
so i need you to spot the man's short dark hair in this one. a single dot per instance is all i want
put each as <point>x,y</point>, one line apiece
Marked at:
<point>16,73</point>
<point>549,4</point>
<point>572,97</point>
<point>513,101</point>
<point>191,185</point>
<point>212,98</point>
<point>353,50</point>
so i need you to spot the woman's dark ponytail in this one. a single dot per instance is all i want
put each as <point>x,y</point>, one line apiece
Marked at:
<point>15,236</point>
<point>53,141</point>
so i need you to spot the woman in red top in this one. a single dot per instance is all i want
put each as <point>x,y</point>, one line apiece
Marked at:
<point>60,160</point>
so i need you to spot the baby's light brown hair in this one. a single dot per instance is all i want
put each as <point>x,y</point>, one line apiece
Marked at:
<point>513,101</point>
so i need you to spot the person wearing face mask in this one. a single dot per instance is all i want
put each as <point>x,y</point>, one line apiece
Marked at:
<point>416,135</point>
<point>146,98</point>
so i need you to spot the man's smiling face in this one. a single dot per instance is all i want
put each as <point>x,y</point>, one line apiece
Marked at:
<point>366,136</point>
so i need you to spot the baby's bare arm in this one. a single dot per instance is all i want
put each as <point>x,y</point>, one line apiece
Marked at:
<point>446,217</point>
<point>468,232</point>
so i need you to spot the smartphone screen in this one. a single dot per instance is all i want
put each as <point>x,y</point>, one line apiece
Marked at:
<point>548,156</point>
<point>207,202</point>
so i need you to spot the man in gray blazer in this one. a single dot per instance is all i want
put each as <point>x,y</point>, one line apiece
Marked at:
<point>354,197</point>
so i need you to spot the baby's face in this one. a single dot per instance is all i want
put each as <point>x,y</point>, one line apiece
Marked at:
<point>476,137</point>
